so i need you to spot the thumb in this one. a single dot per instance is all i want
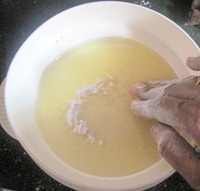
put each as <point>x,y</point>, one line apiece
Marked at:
<point>193,63</point>
<point>179,154</point>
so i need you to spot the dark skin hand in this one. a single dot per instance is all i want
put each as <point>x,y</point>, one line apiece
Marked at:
<point>174,103</point>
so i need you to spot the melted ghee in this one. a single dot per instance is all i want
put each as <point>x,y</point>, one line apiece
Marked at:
<point>123,145</point>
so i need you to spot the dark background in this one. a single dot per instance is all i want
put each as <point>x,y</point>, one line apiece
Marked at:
<point>18,19</point>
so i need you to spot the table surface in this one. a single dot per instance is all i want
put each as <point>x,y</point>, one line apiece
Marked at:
<point>18,19</point>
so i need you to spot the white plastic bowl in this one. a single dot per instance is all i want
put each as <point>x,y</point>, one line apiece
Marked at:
<point>57,35</point>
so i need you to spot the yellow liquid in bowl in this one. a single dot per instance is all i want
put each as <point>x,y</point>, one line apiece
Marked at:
<point>114,142</point>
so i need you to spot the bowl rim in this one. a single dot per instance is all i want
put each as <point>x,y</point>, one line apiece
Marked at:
<point>73,183</point>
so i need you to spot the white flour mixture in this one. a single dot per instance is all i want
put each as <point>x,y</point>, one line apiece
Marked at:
<point>103,87</point>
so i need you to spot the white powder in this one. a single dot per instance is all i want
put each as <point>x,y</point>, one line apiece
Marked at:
<point>81,128</point>
<point>103,87</point>
<point>87,90</point>
<point>91,138</point>
<point>73,112</point>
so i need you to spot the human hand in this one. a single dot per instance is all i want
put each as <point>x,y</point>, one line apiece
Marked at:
<point>174,103</point>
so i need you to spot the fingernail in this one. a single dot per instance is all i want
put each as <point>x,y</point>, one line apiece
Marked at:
<point>139,85</point>
<point>153,82</point>
<point>155,132</point>
<point>190,59</point>
<point>134,104</point>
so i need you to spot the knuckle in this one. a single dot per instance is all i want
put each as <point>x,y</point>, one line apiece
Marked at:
<point>188,114</point>
<point>172,87</point>
<point>168,89</point>
<point>166,145</point>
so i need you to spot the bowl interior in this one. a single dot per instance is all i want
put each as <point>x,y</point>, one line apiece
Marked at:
<point>62,32</point>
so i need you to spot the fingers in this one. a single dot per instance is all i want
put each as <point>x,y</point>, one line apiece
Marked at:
<point>172,111</point>
<point>180,155</point>
<point>163,108</point>
<point>142,108</point>
<point>193,63</point>
<point>148,91</point>
<point>152,89</point>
